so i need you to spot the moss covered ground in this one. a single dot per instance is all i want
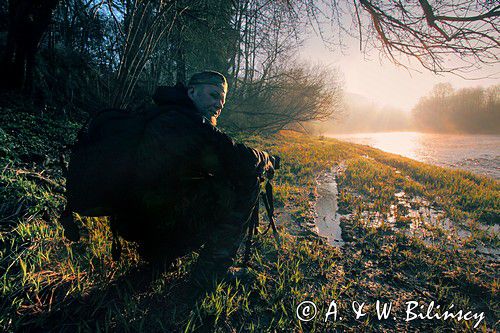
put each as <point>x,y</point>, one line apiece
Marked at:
<point>48,283</point>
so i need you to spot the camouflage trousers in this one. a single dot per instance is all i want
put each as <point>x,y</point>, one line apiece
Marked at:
<point>212,213</point>
<point>223,242</point>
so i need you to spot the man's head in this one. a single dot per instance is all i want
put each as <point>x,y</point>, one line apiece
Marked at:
<point>208,91</point>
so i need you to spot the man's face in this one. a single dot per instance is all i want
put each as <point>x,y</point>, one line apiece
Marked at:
<point>208,99</point>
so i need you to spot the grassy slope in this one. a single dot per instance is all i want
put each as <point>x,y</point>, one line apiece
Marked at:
<point>51,283</point>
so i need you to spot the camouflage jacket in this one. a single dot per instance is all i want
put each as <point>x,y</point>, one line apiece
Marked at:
<point>194,147</point>
<point>122,159</point>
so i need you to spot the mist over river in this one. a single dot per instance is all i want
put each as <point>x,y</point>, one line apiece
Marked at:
<point>479,153</point>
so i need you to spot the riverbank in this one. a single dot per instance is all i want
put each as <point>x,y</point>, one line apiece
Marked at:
<point>478,153</point>
<point>390,254</point>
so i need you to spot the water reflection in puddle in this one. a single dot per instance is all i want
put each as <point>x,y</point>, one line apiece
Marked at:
<point>416,217</point>
<point>327,219</point>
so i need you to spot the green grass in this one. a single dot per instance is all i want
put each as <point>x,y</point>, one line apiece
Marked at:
<point>50,283</point>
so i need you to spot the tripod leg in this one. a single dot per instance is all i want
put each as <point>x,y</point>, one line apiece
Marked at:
<point>252,229</point>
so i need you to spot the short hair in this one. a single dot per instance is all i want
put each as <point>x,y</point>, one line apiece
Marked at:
<point>208,77</point>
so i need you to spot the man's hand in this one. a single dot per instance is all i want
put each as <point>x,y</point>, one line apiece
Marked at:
<point>276,162</point>
<point>274,165</point>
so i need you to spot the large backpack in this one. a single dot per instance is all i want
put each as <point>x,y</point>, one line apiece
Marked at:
<point>131,165</point>
<point>102,162</point>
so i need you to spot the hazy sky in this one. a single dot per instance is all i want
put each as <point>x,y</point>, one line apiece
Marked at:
<point>382,81</point>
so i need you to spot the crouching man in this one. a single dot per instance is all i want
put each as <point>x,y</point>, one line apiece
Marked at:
<point>169,179</point>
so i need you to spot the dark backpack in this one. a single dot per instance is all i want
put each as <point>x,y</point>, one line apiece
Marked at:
<point>101,161</point>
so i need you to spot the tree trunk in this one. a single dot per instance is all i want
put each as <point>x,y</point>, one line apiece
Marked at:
<point>180,55</point>
<point>28,21</point>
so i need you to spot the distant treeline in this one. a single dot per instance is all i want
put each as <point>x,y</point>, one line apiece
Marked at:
<point>469,110</point>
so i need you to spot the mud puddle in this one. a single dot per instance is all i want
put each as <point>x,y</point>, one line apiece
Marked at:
<point>327,219</point>
<point>417,217</point>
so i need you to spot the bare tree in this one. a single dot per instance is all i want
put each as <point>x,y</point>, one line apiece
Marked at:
<point>269,32</point>
<point>432,32</point>
<point>145,25</point>
<point>293,95</point>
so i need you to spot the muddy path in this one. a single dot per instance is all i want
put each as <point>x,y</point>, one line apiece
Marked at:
<point>408,250</point>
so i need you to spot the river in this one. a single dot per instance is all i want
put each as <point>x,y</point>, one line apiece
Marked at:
<point>473,152</point>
